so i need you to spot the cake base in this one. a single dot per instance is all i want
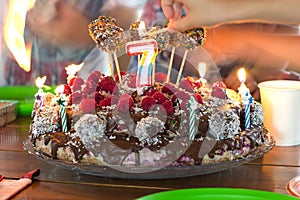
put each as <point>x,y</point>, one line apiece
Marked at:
<point>168,172</point>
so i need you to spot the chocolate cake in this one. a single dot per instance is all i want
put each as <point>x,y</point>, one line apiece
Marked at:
<point>109,124</point>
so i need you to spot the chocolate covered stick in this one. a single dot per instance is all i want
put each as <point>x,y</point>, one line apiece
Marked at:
<point>175,41</point>
<point>191,39</point>
<point>109,37</point>
<point>161,36</point>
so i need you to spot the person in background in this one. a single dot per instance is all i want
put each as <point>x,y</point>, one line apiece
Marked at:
<point>261,35</point>
<point>58,30</point>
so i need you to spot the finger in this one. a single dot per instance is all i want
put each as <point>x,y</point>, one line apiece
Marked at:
<point>178,6</point>
<point>182,24</point>
<point>167,7</point>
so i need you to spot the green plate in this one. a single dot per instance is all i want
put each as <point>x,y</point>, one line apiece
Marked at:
<point>23,94</point>
<point>217,194</point>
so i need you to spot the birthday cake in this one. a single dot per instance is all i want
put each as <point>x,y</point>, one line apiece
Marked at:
<point>117,121</point>
<point>108,124</point>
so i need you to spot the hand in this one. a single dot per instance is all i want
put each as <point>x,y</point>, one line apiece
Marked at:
<point>198,13</point>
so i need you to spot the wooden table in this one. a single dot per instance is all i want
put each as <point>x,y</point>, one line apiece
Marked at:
<point>270,173</point>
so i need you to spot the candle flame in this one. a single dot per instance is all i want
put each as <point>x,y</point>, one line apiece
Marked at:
<point>14,31</point>
<point>40,81</point>
<point>202,69</point>
<point>242,74</point>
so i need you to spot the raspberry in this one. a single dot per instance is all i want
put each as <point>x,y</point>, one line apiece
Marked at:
<point>151,91</point>
<point>132,82</point>
<point>125,103</point>
<point>89,89</point>
<point>105,102</point>
<point>88,105</point>
<point>75,97</point>
<point>77,82</point>
<point>219,84</point>
<point>218,92</point>
<point>94,78</point>
<point>114,99</point>
<point>169,88</point>
<point>67,89</point>
<point>184,105</point>
<point>197,84</point>
<point>160,77</point>
<point>147,103</point>
<point>98,96</point>
<point>117,77</point>
<point>182,95</point>
<point>198,98</point>
<point>186,84</point>
<point>159,97</point>
<point>107,84</point>
<point>168,105</point>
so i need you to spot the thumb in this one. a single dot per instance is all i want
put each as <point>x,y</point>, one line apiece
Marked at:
<point>183,24</point>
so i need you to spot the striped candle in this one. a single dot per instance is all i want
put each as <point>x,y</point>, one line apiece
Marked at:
<point>247,110</point>
<point>63,115</point>
<point>192,105</point>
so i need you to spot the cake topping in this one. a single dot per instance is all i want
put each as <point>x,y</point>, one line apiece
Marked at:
<point>91,128</point>
<point>223,123</point>
<point>148,127</point>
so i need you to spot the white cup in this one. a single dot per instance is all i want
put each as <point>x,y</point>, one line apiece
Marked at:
<point>281,104</point>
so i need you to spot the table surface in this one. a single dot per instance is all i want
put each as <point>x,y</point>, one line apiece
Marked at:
<point>270,173</point>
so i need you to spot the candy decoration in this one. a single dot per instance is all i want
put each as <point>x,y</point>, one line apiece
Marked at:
<point>63,115</point>
<point>190,40</point>
<point>148,49</point>
<point>109,37</point>
<point>161,36</point>
<point>193,38</point>
<point>138,31</point>
<point>192,106</point>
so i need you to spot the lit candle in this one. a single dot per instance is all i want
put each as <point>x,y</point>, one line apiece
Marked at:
<point>71,71</point>
<point>245,95</point>
<point>39,82</point>
<point>148,50</point>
